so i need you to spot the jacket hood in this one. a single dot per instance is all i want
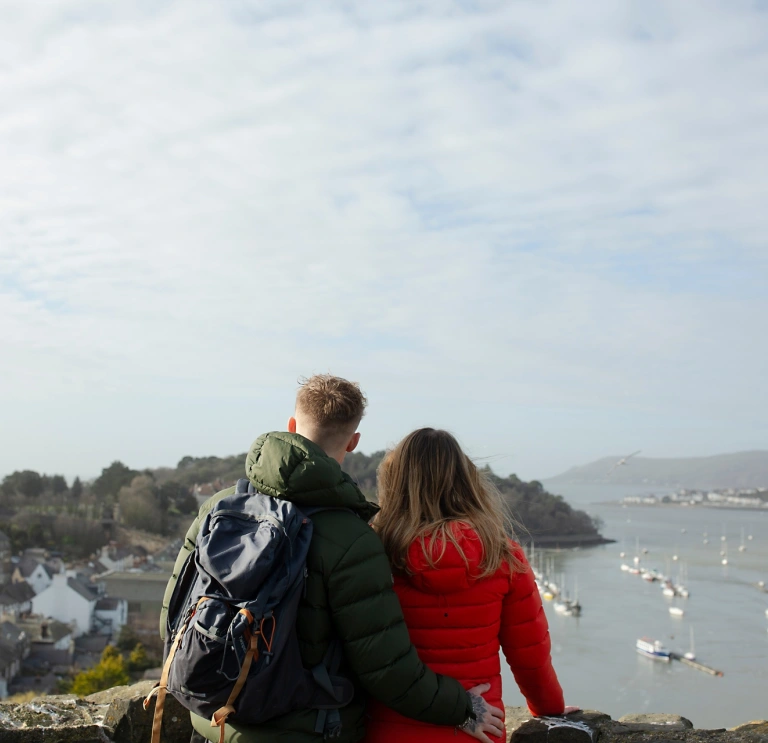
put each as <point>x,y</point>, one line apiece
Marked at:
<point>451,572</point>
<point>290,466</point>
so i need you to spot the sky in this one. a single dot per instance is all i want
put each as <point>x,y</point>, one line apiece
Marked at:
<point>539,224</point>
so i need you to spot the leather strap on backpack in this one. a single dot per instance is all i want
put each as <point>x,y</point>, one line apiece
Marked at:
<point>161,690</point>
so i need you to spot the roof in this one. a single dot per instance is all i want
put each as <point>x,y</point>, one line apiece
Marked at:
<point>11,632</point>
<point>27,565</point>
<point>54,629</point>
<point>16,593</point>
<point>80,588</point>
<point>57,630</point>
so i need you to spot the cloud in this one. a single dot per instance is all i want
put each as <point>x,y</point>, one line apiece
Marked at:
<point>535,207</point>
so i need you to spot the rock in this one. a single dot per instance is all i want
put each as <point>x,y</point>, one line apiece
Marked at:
<point>126,721</point>
<point>756,726</point>
<point>514,717</point>
<point>573,728</point>
<point>756,731</point>
<point>63,719</point>
<point>657,719</point>
<point>117,716</point>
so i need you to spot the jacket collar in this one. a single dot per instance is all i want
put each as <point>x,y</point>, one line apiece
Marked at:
<point>290,466</point>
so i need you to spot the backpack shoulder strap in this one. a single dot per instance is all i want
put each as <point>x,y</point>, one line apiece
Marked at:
<point>244,485</point>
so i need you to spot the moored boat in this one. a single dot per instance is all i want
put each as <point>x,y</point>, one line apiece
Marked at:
<point>652,649</point>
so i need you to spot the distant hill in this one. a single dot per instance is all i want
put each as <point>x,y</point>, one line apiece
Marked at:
<point>746,469</point>
<point>545,517</point>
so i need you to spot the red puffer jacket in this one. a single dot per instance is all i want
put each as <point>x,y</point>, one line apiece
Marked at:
<point>458,623</point>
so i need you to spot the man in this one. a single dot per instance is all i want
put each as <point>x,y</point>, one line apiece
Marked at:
<point>349,591</point>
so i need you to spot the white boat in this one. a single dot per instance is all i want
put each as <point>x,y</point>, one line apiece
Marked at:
<point>742,546</point>
<point>676,611</point>
<point>625,567</point>
<point>668,591</point>
<point>691,654</point>
<point>652,649</point>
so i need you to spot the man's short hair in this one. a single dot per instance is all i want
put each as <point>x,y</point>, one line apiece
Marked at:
<point>334,404</point>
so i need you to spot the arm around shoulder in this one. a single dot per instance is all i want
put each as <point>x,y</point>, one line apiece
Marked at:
<point>367,615</point>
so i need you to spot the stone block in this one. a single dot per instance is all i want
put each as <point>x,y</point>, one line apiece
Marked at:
<point>573,728</point>
<point>54,719</point>
<point>658,719</point>
<point>126,721</point>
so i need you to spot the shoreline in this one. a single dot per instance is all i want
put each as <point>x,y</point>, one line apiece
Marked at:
<point>563,542</point>
<point>724,507</point>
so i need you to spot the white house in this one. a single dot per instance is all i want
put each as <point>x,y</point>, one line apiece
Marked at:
<point>109,615</point>
<point>69,601</point>
<point>37,574</point>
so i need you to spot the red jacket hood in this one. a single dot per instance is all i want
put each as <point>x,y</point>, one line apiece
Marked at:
<point>451,572</point>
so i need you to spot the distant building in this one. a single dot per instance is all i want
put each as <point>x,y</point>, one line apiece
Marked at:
<point>15,600</point>
<point>109,615</point>
<point>120,558</point>
<point>68,600</point>
<point>51,641</point>
<point>34,572</point>
<point>14,647</point>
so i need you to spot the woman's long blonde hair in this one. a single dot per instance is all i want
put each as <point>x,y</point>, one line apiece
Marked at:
<point>426,485</point>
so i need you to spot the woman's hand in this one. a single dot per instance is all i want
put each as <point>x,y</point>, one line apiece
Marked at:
<point>568,710</point>
<point>487,719</point>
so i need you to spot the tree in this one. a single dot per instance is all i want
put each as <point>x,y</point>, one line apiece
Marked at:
<point>27,482</point>
<point>172,493</point>
<point>108,672</point>
<point>112,478</point>
<point>127,638</point>
<point>77,488</point>
<point>58,484</point>
<point>139,505</point>
<point>138,660</point>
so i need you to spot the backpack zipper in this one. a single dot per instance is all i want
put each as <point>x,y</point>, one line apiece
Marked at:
<point>248,517</point>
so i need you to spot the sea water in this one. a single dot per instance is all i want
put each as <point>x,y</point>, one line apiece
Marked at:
<point>594,655</point>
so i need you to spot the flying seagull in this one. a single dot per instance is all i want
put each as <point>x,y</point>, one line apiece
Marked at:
<point>622,461</point>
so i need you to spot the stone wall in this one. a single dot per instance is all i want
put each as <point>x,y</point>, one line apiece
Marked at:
<point>117,716</point>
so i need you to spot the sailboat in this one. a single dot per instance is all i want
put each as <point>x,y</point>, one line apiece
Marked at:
<point>691,654</point>
<point>742,546</point>
<point>724,553</point>
<point>575,605</point>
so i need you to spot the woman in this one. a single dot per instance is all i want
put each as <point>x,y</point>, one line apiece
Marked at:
<point>466,589</point>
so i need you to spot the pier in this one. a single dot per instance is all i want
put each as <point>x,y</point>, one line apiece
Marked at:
<point>695,664</point>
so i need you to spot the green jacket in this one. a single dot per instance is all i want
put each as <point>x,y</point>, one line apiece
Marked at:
<point>349,592</point>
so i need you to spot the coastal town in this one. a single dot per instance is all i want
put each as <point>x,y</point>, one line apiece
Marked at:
<point>737,498</point>
<point>57,618</point>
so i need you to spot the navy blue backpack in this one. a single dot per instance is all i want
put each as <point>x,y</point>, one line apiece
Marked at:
<point>231,648</point>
